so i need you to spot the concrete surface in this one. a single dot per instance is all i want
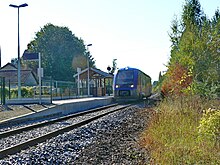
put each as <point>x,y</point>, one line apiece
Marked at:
<point>64,107</point>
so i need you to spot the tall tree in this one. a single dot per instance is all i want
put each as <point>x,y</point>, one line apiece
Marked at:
<point>58,47</point>
<point>175,34</point>
<point>192,13</point>
<point>195,53</point>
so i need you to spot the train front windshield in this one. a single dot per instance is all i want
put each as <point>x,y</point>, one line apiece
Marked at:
<point>125,77</point>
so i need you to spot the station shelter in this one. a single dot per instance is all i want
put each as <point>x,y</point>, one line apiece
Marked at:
<point>100,82</point>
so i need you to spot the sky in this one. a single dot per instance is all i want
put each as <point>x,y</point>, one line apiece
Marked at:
<point>135,32</point>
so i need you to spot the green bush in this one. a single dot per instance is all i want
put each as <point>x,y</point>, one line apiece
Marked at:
<point>25,92</point>
<point>14,93</point>
<point>207,90</point>
<point>209,128</point>
<point>6,91</point>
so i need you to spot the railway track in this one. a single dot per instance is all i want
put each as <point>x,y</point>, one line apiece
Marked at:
<point>79,119</point>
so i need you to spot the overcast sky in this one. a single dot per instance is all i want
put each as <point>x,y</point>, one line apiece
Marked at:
<point>135,32</point>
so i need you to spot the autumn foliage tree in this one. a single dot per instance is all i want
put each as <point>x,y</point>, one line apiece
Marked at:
<point>179,80</point>
<point>195,53</point>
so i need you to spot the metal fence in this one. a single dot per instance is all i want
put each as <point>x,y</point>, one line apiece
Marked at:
<point>58,89</point>
<point>3,92</point>
<point>50,89</point>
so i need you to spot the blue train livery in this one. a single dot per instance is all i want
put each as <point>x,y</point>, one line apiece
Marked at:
<point>131,83</point>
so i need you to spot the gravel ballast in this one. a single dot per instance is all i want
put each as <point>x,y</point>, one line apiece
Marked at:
<point>110,140</point>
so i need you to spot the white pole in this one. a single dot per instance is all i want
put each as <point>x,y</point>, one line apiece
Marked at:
<point>88,68</point>
<point>78,71</point>
<point>19,62</point>
<point>78,85</point>
<point>39,74</point>
<point>88,77</point>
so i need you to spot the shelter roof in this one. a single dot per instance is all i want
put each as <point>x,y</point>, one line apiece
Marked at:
<point>93,73</point>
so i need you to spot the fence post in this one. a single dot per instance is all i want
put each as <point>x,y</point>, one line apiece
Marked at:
<point>9,89</point>
<point>3,90</point>
<point>39,77</point>
<point>51,90</point>
<point>56,88</point>
<point>69,85</point>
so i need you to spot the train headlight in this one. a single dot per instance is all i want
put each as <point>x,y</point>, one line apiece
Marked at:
<point>116,86</point>
<point>132,86</point>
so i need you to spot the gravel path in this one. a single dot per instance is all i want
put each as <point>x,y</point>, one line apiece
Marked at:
<point>109,140</point>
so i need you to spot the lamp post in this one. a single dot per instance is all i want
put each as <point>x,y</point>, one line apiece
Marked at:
<point>19,60</point>
<point>88,69</point>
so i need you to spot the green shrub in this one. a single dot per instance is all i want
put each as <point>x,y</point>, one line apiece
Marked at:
<point>14,92</point>
<point>25,92</point>
<point>209,128</point>
<point>207,90</point>
<point>6,91</point>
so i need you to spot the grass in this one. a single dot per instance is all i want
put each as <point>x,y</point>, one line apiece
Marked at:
<point>172,135</point>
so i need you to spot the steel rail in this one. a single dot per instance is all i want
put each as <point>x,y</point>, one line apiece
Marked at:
<point>32,142</point>
<point>30,127</point>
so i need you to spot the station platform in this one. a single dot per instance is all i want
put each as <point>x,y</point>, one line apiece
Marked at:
<point>59,102</point>
<point>63,107</point>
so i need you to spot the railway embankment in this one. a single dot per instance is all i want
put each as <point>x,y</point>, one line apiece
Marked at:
<point>185,130</point>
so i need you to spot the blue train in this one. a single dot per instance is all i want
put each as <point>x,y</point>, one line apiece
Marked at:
<point>131,84</point>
